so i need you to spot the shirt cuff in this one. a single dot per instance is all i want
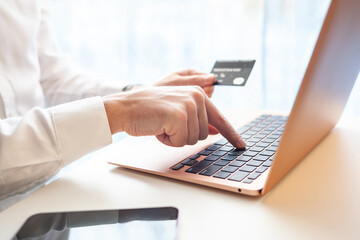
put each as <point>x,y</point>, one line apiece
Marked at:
<point>81,127</point>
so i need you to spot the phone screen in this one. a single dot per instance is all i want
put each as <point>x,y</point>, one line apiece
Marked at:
<point>149,223</point>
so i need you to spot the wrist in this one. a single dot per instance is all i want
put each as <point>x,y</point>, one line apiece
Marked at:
<point>115,108</point>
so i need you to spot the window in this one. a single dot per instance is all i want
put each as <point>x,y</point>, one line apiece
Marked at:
<point>140,41</point>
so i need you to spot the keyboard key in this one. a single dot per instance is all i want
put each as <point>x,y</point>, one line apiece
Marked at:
<point>268,122</point>
<point>237,151</point>
<point>189,162</point>
<point>243,129</point>
<point>253,140</point>
<point>243,158</point>
<point>213,147</point>
<point>228,145</point>
<point>228,157</point>
<point>273,136</point>
<point>177,166</point>
<point>195,156</point>
<point>199,166</point>
<point>263,125</point>
<point>230,169</point>
<point>246,136</point>
<point>247,168</point>
<point>250,144</point>
<point>251,132</point>
<point>263,116</point>
<point>273,149</point>
<point>222,174</point>
<point>266,132</point>
<point>236,163</point>
<point>261,135</point>
<point>219,153</point>
<point>250,153</point>
<point>226,148</point>
<point>251,125</point>
<point>254,176</point>
<point>262,144</point>
<point>257,137</point>
<point>267,163</point>
<point>261,158</point>
<point>268,140</point>
<point>238,176</point>
<point>221,142</point>
<point>273,118</point>
<point>210,170</point>
<point>248,181</point>
<point>205,152</point>
<point>257,149</point>
<point>267,153</point>
<point>271,128</point>
<point>261,169</point>
<point>212,158</point>
<point>221,162</point>
<point>254,163</point>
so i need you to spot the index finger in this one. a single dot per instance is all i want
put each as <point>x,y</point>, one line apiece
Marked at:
<point>217,120</point>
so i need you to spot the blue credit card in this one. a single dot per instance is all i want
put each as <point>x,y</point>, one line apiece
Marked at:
<point>232,73</point>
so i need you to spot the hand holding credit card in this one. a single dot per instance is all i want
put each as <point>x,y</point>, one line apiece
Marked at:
<point>232,73</point>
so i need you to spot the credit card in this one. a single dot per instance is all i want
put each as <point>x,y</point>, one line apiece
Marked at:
<point>232,73</point>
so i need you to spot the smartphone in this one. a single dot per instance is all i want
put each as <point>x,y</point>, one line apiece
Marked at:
<point>149,223</point>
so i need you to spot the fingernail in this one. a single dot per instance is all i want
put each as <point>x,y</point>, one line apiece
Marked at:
<point>242,143</point>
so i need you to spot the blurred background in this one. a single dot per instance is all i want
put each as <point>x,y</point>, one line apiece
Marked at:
<point>140,41</point>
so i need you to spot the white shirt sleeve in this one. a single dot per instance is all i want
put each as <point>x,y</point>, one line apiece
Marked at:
<point>36,146</point>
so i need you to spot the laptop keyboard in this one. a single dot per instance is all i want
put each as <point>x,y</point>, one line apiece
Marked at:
<point>222,160</point>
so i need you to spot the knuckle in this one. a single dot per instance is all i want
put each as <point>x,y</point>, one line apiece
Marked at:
<point>191,105</point>
<point>204,134</point>
<point>180,115</point>
<point>198,94</point>
<point>192,141</point>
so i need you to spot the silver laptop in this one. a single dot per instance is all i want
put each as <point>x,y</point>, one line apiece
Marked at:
<point>275,143</point>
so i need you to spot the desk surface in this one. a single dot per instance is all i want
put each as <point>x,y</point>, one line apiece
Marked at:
<point>319,199</point>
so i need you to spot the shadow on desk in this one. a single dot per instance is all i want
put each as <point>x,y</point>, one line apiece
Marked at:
<point>323,192</point>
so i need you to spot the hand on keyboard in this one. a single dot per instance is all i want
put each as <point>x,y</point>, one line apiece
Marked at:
<point>178,116</point>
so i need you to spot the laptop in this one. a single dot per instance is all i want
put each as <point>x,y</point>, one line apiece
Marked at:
<point>275,143</point>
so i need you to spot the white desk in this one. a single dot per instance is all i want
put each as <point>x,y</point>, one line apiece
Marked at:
<point>319,199</point>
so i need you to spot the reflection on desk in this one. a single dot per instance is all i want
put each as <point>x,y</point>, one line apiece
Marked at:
<point>98,225</point>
